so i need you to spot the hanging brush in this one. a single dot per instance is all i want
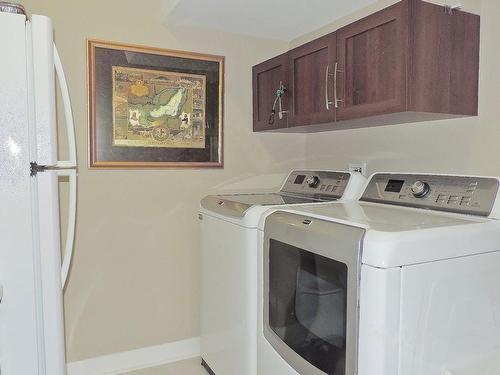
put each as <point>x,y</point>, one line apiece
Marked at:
<point>277,101</point>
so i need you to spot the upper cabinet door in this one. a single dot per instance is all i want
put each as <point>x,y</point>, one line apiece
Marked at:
<point>311,75</point>
<point>444,60</point>
<point>267,78</point>
<point>372,59</point>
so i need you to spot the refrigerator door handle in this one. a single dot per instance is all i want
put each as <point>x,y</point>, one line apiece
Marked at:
<point>70,127</point>
<point>70,232</point>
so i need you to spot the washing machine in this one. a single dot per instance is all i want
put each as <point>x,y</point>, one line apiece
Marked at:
<point>404,281</point>
<point>229,262</point>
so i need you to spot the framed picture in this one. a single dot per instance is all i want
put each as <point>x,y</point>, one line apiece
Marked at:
<point>154,108</point>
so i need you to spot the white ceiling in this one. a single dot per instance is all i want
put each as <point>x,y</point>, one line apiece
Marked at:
<point>273,19</point>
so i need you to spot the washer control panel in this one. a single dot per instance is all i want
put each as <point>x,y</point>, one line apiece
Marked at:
<point>325,185</point>
<point>461,194</point>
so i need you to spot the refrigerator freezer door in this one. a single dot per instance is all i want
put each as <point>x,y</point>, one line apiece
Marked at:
<point>19,347</point>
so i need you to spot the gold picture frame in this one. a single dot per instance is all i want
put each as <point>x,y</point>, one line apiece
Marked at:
<point>153,108</point>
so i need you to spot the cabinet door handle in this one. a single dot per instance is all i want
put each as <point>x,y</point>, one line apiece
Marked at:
<point>335,76</point>
<point>327,97</point>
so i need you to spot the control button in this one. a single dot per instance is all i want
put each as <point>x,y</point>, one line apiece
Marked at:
<point>312,181</point>
<point>465,201</point>
<point>420,189</point>
<point>442,197</point>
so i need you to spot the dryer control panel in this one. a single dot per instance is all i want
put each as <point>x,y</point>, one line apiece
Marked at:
<point>324,185</point>
<point>460,194</point>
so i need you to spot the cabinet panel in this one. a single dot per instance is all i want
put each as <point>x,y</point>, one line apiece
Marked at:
<point>444,69</point>
<point>372,55</point>
<point>267,78</point>
<point>310,78</point>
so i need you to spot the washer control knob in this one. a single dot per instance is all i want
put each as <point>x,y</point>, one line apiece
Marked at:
<point>312,181</point>
<point>420,189</point>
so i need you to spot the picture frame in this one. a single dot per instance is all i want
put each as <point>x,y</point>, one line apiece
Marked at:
<point>153,108</point>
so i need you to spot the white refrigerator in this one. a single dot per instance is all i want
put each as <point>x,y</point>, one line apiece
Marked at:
<point>33,267</point>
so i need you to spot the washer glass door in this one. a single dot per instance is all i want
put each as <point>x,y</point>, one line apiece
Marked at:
<point>310,292</point>
<point>308,305</point>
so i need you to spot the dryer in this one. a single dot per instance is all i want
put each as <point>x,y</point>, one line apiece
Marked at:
<point>229,262</point>
<point>402,282</point>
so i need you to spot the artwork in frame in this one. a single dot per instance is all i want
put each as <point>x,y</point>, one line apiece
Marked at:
<point>154,108</point>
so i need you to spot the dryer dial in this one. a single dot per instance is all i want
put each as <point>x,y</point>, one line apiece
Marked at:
<point>312,181</point>
<point>420,189</point>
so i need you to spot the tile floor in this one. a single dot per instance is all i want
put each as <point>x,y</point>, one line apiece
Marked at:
<point>187,367</point>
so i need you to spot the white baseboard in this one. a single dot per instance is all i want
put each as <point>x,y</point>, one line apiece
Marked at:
<point>122,362</point>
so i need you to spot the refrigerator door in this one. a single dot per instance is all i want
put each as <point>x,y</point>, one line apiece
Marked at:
<point>19,311</point>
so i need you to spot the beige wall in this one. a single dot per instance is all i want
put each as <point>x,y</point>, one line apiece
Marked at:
<point>134,280</point>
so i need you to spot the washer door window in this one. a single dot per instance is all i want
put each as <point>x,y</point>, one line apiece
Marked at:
<point>310,292</point>
<point>308,305</point>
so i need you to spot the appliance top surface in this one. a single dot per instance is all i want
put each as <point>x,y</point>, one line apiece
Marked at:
<point>385,218</point>
<point>396,236</point>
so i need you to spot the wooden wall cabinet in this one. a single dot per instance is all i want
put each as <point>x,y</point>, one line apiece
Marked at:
<point>413,61</point>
